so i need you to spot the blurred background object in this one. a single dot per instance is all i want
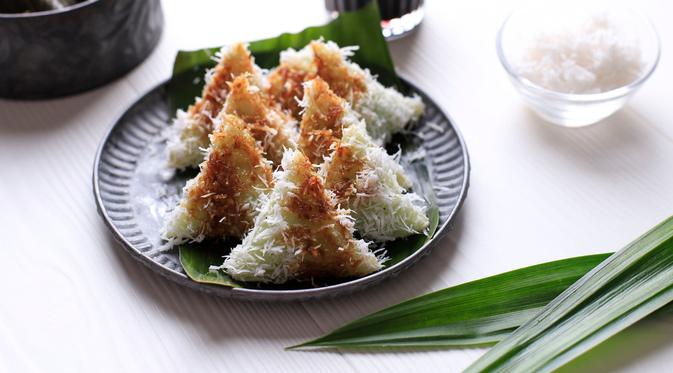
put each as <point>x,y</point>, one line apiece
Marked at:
<point>21,6</point>
<point>71,49</point>
<point>398,17</point>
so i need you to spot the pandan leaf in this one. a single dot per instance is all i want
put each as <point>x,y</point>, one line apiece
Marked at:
<point>544,316</point>
<point>626,287</point>
<point>478,312</point>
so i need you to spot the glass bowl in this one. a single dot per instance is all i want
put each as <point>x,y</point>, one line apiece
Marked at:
<point>573,109</point>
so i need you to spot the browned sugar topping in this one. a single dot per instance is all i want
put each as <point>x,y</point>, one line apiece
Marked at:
<point>326,246</point>
<point>321,123</point>
<point>254,107</point>
<point>232,169</point>
<point>342,173</point>
<point>286,84</point>
<point>287,81</point>
<point>345,83</point>
<point>237,62</point>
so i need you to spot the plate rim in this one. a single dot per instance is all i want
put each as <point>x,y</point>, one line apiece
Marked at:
<point>334,290</point>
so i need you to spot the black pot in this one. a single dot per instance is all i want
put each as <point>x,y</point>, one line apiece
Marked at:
<point>60,52</point>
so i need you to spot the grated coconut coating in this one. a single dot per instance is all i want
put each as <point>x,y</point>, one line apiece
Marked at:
<point>299,233</point>
<point>188,136</point>
<point>274,129</point>
<point>363,176</point>
<point>385,110</point>
<point>325,115</point>
<point>222,200</point>
<point>297,223</point>
<point>371,183</point>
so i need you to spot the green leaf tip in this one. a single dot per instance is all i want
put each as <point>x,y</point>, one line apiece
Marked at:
<point>297,346</point>
<point>475,313</point>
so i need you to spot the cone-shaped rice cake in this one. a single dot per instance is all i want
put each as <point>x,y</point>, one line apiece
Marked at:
<point>325,114</point>
<point>188,135</point>
<point>222,200</point>
<point>370,182</point>
<point>299,233</point>
<point>274,129</point>
<point>385,110</point>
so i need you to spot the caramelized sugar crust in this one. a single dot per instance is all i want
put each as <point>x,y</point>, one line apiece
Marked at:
<point>286,81</point>
<point>347,84</point>
<point>324,243</point>
<point>238,61</point>
<point>321,122</point>
<point>233,168</point>
<point>342,173</point>
<point>264,119</point>
<point>286,85</point>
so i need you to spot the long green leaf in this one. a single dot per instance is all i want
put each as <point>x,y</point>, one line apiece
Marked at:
<point>623,289</point>
<point>644,338</point>
<point>477,312</point>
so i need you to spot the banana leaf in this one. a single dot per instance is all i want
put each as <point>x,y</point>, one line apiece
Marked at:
<point>197,259</point>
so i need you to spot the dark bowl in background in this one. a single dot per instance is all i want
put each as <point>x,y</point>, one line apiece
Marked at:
<point>60,52</point>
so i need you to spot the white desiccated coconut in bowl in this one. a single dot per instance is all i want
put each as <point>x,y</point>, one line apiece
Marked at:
<point>592,54</point>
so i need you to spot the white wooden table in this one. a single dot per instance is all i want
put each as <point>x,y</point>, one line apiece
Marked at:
<point>73,300</point>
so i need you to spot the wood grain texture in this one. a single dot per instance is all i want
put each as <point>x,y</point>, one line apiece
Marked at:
<point>74,301</point>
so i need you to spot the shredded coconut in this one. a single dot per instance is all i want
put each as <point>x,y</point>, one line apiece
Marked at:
<point>592,56</point>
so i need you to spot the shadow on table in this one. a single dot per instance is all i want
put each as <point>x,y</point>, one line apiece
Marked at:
<point>217,319</point>
<point>42,116</point>
<point>220,319</point>
<point>601,148</point>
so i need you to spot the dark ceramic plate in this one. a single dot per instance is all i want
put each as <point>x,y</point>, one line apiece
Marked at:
<point>133,193</point>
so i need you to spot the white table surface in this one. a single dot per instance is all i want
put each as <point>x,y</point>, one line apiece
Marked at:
<point>73,300</point>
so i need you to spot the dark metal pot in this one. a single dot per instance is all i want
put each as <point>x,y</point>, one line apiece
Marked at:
<point>60,52</point>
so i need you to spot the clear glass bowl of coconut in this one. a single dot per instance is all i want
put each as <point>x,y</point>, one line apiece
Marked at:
<point>574,63</point>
